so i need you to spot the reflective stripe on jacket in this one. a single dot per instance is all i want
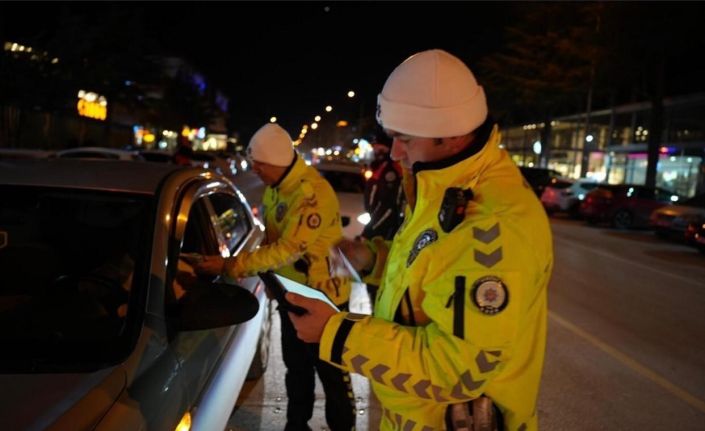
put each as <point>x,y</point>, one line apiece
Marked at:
<point>459,313</point>
<point>302,220</point>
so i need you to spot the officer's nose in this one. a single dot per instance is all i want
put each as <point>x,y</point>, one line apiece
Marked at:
<point>398,152</point>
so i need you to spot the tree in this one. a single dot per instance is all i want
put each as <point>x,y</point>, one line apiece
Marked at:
<point>549,64</point>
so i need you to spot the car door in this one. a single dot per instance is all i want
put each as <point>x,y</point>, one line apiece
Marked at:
<point>646,200</point>
<point>215,362</point>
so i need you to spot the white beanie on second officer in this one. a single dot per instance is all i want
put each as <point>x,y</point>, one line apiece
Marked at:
<point>432,94</point>
<point>272,145</point>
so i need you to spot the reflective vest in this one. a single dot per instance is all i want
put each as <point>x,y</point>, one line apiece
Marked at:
<point>459,313</point>
<point>302,221</point>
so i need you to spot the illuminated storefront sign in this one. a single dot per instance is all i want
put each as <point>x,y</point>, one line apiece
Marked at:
<point>92,105</point>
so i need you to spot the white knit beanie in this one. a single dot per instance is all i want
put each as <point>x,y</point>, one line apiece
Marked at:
<point>272,145</point>
<point>432,94</point>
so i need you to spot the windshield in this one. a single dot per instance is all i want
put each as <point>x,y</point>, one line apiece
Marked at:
<point>72,271</point>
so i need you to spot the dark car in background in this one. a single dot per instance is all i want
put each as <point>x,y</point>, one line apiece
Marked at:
<point>672,220</point>
<point>538,178</point>
<point>695,234</point>
<point>103,323</point>
<point>624,205</point>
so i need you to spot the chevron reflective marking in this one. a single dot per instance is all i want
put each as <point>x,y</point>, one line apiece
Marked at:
<point>488,260</point>
<point>356,363</point>
<point>483,364</point>
<point>437,394</point>
<point>409,425</point>
<point>427,428</point>
<point>377,372</point>
<point>420,388</point>
<point>457,392</point>
<point>397,420</point>
<point>486,236</point>
<point>469,382</point>
<point>495,353</point>
<point>398,381</point>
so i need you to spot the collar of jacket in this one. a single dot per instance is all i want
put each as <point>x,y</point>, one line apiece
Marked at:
<point>482,136</point>
<point>290,180</point>
<point>462,170</point>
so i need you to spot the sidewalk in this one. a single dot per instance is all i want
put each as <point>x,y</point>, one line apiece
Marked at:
<point>262,403</point>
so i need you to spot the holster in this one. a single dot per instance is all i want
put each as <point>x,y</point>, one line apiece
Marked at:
<point>476,415</point>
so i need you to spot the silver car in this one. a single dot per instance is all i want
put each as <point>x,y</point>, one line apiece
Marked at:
<point>103,325</point>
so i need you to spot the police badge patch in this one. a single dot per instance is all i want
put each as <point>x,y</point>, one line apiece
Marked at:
<point>490,295</point>
<point>313,221</point>
<point>280,211</point>
<point>424,239</point>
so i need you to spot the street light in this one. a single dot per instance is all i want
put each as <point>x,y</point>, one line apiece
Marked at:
<point>351,94</point>
<point>329,108</point>
<point>317,118</point>
<point>273,119</point>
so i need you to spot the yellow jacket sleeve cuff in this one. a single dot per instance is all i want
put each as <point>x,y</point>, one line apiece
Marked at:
<point>334,336</point>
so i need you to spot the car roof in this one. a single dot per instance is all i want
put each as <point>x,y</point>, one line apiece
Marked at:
<point>98,152</point>
<point>113,175</point>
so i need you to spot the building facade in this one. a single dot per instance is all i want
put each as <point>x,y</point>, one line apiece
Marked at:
<point>611,145</point>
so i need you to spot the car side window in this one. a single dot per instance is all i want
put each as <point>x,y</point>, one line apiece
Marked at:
<point>232,219</point>
<point>663,195</point>
<point>199,237</point>
<point>644,193</point>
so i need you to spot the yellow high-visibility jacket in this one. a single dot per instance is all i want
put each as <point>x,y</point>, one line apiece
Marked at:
<point>461,313</point>
<point>302,221</point>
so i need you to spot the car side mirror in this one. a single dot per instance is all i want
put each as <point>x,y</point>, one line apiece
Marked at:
<point>345,220</point>
<point>214,305</point>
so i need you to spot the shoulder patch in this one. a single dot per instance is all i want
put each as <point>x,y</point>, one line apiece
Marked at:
<point>423,240</point>
<point>490,295</point>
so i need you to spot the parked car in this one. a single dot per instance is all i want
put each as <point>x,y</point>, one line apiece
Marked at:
<point>538,178</point>
<point>99,153</point>
<point>695,234</point>
<point>158,156</point>
<point>348,181</point>
<point>103,325</point>
<point>222,164</point>
<point>562,194</point>
<point>672,220</point>
<point>624,205</point>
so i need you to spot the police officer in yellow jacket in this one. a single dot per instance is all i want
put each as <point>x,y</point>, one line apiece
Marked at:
<point>302,223</point>
<point>460,318</point>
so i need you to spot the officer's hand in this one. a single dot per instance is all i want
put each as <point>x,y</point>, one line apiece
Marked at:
<point>309,326</point>
<point>358,253</point>
<point>210,265</point>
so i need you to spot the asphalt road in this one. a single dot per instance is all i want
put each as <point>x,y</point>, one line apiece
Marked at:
<point>625,340</point>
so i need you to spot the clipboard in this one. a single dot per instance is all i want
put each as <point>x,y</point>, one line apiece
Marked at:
<point>278,286</point>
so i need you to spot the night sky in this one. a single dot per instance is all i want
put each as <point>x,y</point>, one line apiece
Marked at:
<point>291,59</point>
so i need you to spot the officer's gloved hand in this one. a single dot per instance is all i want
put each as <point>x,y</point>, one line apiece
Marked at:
<point>358,253</point>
